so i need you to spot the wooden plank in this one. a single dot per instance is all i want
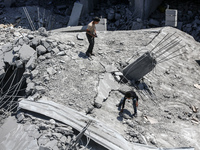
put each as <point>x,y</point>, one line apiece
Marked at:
<point>97,131</point>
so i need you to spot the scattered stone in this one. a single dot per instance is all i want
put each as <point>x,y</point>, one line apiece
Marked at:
<point>9,57</point>
<point>40,89</point>
<point>80,36</point>
<point>36,41</point>
<point>51,71</point>
<point>20,117</point>
<point>56,50</point>
<point>26,52</point>
<point>34,73</point>
<point>61,53</point>
<point>41,49</point>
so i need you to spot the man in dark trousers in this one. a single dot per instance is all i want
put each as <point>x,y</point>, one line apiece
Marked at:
<point>91,34</point>
<point>129,95</point>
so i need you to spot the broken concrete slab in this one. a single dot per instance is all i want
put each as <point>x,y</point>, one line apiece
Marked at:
<point>71,29</point>
<point>106,84</point>
<point>140,67</point>
<point>26,52</point>
<point>171,17</point>
<point>7,47</point>
<point>41,49</point>
<point>9,57</point>
<point>31,63</point>
<point>51,71</point>
<point>97,131</point>
<point>75,15</point>
<point>11,131</point>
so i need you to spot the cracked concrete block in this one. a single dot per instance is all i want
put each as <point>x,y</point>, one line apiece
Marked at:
<point>41,49</point>
<point>56,50</point>
<point>30,87</point>
<point>19,64</point>
<point>30,36</point>
<point>20,117</point>
<point>40,89</point>
<point>16,49</point>
<point>26,40</point>
<point>105,86</point>
<point>61,53</point>
<point>42,58</point>
<point>64,130</point>
<point>47,55</point>
<point>31,63</point>
<point>34,73</point>
<point>7,47</point>
<point>36,41</point>
<point>27,73</point>
<point>50,40</point>
<point>140,67</point>
<point>43,31</point>
<point>45,44</point>
<point>57,135</point>
<point>9,57</point>
<point>26,52</point>
<point>52,121</point>
<point>63,139</point>
<point>76,12</point>
<point>110,68</point>
<point>21,41</point>
<point>61,47</point>
<point>51,71</point>
<point>43,140</point>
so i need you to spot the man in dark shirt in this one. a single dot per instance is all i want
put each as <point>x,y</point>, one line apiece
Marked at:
<point>129,95</point>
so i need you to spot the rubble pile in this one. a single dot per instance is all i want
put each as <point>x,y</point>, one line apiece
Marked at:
<point>120,16</point>
<point>50,134</point>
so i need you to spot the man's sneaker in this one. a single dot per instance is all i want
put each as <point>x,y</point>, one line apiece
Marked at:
<point>134,115</point>
<point>93,54</point>
<point>88,55</point>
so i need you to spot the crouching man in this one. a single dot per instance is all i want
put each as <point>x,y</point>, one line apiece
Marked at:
<point>129,95</point>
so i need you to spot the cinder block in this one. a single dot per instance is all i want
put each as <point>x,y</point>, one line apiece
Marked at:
<point>171,17</point>
<point>102,26</point>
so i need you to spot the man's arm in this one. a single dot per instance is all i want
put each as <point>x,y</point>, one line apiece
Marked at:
<point>88,32</point>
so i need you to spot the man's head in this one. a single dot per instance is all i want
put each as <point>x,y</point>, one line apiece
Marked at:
<point>96,20</point>
<point>128,95</point>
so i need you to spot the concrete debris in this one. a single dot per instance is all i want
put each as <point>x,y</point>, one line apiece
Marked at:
<point>41,49</point>
<point>26,52</point>
<point>106,84</point>
<point>56,76</point>
<point>197,86</point>
<point>9,57</point>
<point>51,71</point>
<point>194,109</point>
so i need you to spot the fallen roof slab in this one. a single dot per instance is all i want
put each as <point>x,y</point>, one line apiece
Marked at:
<point>98,132</point>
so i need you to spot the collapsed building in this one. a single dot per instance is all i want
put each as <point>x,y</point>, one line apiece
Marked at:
<point>64,101</point>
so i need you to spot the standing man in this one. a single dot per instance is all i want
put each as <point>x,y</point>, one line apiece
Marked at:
<point>91,34</point>
<point>129,95</point>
